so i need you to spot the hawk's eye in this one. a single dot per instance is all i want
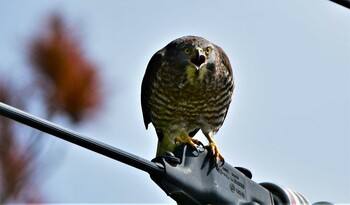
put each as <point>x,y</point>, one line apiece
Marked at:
<point>207,50</point>
<point>187,51</point>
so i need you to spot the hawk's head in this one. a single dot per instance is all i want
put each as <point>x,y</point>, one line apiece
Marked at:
<point>192,55</point>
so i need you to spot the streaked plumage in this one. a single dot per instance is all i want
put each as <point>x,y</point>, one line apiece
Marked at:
<point>187,86</point>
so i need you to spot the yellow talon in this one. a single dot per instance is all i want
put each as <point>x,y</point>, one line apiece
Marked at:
<point>214,150</point>
<point>184,138</point>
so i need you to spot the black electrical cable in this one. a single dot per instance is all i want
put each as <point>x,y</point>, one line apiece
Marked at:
<point>75,138</point>
<point>345,3</point>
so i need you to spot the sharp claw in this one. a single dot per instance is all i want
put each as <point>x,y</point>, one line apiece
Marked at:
<point>184,138</point>
<point>214,152</point>
<point>222,162</point>
<point>200,144</point>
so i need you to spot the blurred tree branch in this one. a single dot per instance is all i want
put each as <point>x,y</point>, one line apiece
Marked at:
<point>69,85</point>
<point>16,160</point>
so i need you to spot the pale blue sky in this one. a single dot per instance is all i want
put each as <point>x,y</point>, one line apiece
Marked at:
<point>289,119</point>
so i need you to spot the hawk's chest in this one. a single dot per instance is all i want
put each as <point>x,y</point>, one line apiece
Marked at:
<point>176,100</point>
<point>189,100</point>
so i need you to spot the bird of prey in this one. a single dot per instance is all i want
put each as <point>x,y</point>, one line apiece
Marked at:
<point>187,87</point>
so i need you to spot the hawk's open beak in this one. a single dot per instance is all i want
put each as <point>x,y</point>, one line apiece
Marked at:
<point>198,58</point>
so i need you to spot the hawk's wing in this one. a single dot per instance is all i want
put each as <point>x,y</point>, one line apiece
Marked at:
<point>225,59</point>
<point>150,75</point>
<point>227,64</point>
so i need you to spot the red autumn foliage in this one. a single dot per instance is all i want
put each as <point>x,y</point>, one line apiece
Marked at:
<point>71,80</point>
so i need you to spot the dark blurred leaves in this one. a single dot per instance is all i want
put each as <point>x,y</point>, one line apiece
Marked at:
<point>68,84</point>
<point>16,161</point>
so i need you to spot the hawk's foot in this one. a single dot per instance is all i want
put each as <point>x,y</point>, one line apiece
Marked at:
<point>184,138</point>
<point>214,150</point>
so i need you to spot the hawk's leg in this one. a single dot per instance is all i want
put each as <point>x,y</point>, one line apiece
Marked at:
<point>184,138</point>
<point>213,149</point>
